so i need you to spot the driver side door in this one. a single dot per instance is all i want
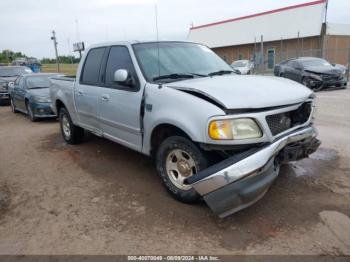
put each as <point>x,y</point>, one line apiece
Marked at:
<point>120,105</point>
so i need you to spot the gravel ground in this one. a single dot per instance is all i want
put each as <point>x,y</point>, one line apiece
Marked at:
<point>101,198</point>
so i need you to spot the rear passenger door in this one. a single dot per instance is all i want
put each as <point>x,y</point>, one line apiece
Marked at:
<point>120,105</point>
<point>288,70</point>
<point>19,93</point>
<point>87,91</point>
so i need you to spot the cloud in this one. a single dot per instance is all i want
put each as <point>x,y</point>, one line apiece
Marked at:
<point>105,3</point>
<point>26,25</point>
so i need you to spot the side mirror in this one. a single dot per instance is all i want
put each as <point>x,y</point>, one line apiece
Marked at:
<point>123,77</point>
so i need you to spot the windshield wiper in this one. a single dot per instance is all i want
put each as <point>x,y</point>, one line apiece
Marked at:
<point>221,72</point>
<point>173,76</point>
<point>38,87</point>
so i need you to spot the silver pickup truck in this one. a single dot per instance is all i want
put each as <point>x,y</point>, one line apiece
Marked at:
<point>214,135</point>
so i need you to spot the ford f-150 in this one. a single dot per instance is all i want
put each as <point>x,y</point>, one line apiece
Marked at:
<point>214,135</point>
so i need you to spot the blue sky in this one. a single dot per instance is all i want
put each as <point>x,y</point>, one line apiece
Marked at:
<point>25,25</point>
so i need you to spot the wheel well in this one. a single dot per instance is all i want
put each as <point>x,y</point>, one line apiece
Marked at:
<point>162,132</point>
<point>59,105</point>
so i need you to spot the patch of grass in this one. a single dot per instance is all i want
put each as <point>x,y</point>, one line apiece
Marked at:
<point>67,69</point>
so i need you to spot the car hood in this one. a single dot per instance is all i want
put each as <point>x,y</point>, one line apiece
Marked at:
<point>43,92</point>
<point>323,69</point>
<point>242,69</point>
<point>245,92</point>
<point>8,79</point>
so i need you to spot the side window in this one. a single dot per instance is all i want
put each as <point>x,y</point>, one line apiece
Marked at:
<point>92,66</point>
<point>290,63</point>
<point>119,58</point>
<point>296,64</point>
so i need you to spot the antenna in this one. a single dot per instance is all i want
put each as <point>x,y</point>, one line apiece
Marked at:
<point>156,17</point>
<point>326,13</point>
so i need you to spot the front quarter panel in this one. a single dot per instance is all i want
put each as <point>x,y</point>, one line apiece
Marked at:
<point>177,108</point>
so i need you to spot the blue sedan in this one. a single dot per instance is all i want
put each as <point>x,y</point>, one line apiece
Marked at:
<point>30,95</point>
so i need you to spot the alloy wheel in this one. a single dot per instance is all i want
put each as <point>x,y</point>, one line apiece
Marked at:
<point>179,166</point>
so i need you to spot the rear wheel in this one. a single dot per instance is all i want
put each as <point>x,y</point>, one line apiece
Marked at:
<point>177,159</point>
<point>30,113</point>
<point>71,133</point>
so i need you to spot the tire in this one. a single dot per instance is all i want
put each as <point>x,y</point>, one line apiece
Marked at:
<point>13,107</point>
<point>71,133</point>
<point>192,160</point>
<point>281,74</point>
<point>30,113</point>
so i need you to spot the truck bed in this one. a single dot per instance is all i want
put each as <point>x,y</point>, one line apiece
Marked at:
<point>62,90</point>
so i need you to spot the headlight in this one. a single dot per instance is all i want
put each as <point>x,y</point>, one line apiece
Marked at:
<point>3,85</point>
<point>41,99</point>
<point>317,77</point>
<point>234,129</point>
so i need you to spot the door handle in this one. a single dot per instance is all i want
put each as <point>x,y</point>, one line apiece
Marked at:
<point>105,98</point>
<point>80,92</point>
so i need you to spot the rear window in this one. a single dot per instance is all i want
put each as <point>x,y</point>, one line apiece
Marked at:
<point>92,66</point>
<point>38,82</point>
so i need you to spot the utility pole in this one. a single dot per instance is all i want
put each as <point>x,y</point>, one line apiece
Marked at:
<point>54,39</point>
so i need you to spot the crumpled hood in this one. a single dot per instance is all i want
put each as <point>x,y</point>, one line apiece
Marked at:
<point>324,70</point>
<point>246,92</point>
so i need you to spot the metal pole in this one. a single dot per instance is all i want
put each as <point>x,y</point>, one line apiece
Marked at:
<point>262,55</point>
<point>255,58</point>
<point>348,73</point>
<point>298,44</point>
<point>53,38</point>
<point>302,46</point>
<point>281,51</point>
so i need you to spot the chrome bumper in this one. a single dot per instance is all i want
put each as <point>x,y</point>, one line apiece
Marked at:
<point>249,174</point>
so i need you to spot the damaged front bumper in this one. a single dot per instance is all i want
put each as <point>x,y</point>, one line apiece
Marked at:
<point>243,179</point>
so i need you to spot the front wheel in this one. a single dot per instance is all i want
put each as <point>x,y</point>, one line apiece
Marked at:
<point>177,159</point>
<point>30,113</point>
<point>13,107</point>
<point>71,133</point>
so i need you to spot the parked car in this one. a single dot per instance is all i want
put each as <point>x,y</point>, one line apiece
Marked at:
<point>344,69</point>
<point>30,95</point>
<point>245,67</point>
<point>8,75</point>
<point>315,73</point>
<point>213,134</point>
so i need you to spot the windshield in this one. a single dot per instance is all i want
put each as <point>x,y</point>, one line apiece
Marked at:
<point>239,64</point>
<point>38,82</point>
<point>315,62</point>
<point>13,71</point>
<point>177,58</point>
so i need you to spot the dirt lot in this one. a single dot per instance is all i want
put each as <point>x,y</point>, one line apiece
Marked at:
<point>101,198</point>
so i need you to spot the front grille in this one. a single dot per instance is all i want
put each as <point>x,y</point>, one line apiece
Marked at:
<point>281,122</point>
<point>331,77</point>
